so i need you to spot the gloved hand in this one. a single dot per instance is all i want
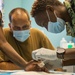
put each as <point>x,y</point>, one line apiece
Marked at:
<point>43,53</point>
<point>48,57</point>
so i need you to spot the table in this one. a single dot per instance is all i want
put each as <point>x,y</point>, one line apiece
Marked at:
<point>22,72</point>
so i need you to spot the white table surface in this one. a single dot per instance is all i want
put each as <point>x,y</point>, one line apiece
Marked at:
<point>22,72</point>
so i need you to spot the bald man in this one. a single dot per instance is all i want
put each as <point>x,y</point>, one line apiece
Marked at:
<point>23,38</point>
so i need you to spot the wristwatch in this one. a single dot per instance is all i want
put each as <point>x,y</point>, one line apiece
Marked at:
<point>60,53</point>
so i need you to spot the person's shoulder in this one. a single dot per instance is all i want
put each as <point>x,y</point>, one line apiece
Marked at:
<point>36,30</point>
<point>6,29</point>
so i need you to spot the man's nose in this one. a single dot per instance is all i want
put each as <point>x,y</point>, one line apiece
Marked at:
<point>20,28</point>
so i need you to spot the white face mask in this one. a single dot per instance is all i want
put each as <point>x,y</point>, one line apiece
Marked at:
<point>21,35</point>
<point>55,27</point>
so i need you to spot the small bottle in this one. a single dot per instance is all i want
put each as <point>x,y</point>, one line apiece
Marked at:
<point>70,44</point>
<point>63,43</point>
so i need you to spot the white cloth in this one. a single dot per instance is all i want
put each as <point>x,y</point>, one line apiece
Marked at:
<point>40,73</point>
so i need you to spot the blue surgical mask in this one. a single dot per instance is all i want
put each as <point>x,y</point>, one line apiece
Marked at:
<point>55,27</point>
<point>21,35</point>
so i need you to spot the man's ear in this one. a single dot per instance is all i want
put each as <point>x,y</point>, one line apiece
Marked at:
<point>30,23</point>
<point>10,26</point>
<point>50,8</point>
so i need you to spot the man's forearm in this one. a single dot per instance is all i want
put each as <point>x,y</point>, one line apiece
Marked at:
<point>9,66</point>
<point>13,55</point>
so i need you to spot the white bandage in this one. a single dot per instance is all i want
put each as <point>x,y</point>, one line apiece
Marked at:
<point>41,64</point>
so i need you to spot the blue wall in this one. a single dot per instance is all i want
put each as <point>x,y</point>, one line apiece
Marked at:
<point>27,4</point>
<point>8,6</point>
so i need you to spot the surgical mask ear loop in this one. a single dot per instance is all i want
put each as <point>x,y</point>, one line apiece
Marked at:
<point>48,15</point>
<point>55,14</point>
